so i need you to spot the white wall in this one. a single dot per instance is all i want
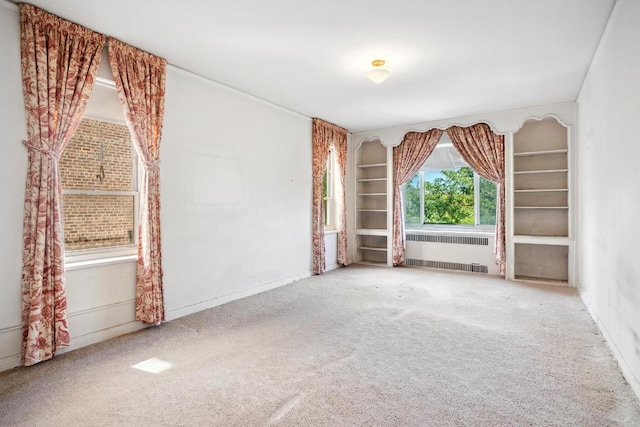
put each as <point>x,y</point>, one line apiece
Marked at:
<point>13,172</point>
<point>608,176</point>
<point>224,237</point>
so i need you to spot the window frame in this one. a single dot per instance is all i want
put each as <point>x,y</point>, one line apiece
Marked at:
<point>329,200</point>
<point>77,258</point>
<point>481,228</point>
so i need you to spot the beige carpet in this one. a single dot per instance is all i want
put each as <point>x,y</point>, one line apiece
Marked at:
<point>358,346</point>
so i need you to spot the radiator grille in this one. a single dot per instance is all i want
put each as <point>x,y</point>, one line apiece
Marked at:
<point>473,268</point>
<point>458,240</point>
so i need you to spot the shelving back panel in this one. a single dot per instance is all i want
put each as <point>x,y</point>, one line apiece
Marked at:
<point>541,222</point>
<point>371,220</point>
<point>541,199</point>
<point>541,262</point>
<point>540,135</point>
<point>540,181</point>
<point>540,162</point>
<point>370,153</point>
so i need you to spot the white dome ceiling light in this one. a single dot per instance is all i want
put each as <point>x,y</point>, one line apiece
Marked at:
<point>378,73</point>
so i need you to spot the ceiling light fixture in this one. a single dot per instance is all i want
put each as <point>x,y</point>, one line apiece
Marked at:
<point>378,73</point>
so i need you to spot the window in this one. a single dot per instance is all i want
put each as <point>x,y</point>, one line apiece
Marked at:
<point>98,172</point>
<point>328,193</point>
<point>446,191</point>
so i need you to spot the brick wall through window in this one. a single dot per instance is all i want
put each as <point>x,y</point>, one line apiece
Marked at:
<point>98,220</point>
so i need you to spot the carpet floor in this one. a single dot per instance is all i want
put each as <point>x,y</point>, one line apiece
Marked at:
<point>359,346</point>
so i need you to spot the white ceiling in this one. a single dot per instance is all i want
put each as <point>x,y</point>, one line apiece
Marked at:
<point>449,58</point>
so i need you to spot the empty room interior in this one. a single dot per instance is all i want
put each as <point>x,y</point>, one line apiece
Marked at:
<point>319,213</point>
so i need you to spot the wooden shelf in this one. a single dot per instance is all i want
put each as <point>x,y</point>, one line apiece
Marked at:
<point>372,248</point>
<point>540,171</point>
<point>372,210</point>
<point>372,194</point>
<point>371,179</point>
<point>540,153</point>
<point>373,165</point>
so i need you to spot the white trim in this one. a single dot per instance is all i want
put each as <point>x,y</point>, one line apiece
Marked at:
<point>331,231</point>
<point>446,230</point>
<point>216,301</point>
<point>99,262</point>
<point>626,370</point>
<point>103,335</point>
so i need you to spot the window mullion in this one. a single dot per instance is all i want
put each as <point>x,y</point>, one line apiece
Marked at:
<point>421,186</point>
<point>476,198</point>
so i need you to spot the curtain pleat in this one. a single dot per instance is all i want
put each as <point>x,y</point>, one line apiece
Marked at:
<point>408,158</point>
<point>140,82</point>
<point>325,135</point>
<point>483,150</point>
<point>59,62</point>
<point>340,145</point>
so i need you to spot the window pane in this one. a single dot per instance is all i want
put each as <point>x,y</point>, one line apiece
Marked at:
<point>488,199</point>
<point>448,196</point>
<point>98,157</point>
<point>97,221</point>
<point>412,201</point>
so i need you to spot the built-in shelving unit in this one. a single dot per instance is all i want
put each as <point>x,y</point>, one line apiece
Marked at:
<point>373,218</point>
<point>541,201</point>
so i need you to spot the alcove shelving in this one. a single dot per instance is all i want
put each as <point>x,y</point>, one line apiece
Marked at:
<point>541,201</point>
<point>373,213</point>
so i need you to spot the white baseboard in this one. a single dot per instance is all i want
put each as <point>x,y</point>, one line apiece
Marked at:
<point>9,362</point>
<point>102,335</point>
<point>13,360</point>
<point>214,302</point>
<point>627,372</point>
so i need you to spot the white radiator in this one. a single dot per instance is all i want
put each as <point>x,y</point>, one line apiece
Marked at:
<point>453,251</point>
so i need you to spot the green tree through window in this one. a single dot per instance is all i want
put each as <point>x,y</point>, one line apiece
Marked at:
<point>449,197</point>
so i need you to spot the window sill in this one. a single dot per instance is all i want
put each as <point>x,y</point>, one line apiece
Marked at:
<point>330,231</point>
<point>482,230</point>
<point>78,265</point>
<point>75,260</point>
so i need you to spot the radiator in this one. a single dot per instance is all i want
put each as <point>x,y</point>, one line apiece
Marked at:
<point>449,252</point>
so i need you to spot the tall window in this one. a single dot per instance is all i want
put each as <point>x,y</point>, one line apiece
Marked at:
<point>98,171</point>
<point>328,193</point>
<point>446,191</point>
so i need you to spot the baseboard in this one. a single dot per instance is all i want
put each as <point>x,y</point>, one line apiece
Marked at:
<point>102,335</point>
<point>13,360</point>
<point>9,362</point>
<point>214,302</point>
<point>626,370</point>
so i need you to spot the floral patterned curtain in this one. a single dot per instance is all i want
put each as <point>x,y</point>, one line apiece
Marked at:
<point>340,146</point>
<point>325,135</point>
<point>59,62</point>
<point>483,150</point>
<point>140,81</point>
<point>408,158</point>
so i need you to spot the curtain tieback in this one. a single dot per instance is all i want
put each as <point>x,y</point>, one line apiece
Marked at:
<point>152,165</point>
<point>31,146</point>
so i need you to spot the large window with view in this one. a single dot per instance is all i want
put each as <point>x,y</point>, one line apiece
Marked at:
<point>447,192</point>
